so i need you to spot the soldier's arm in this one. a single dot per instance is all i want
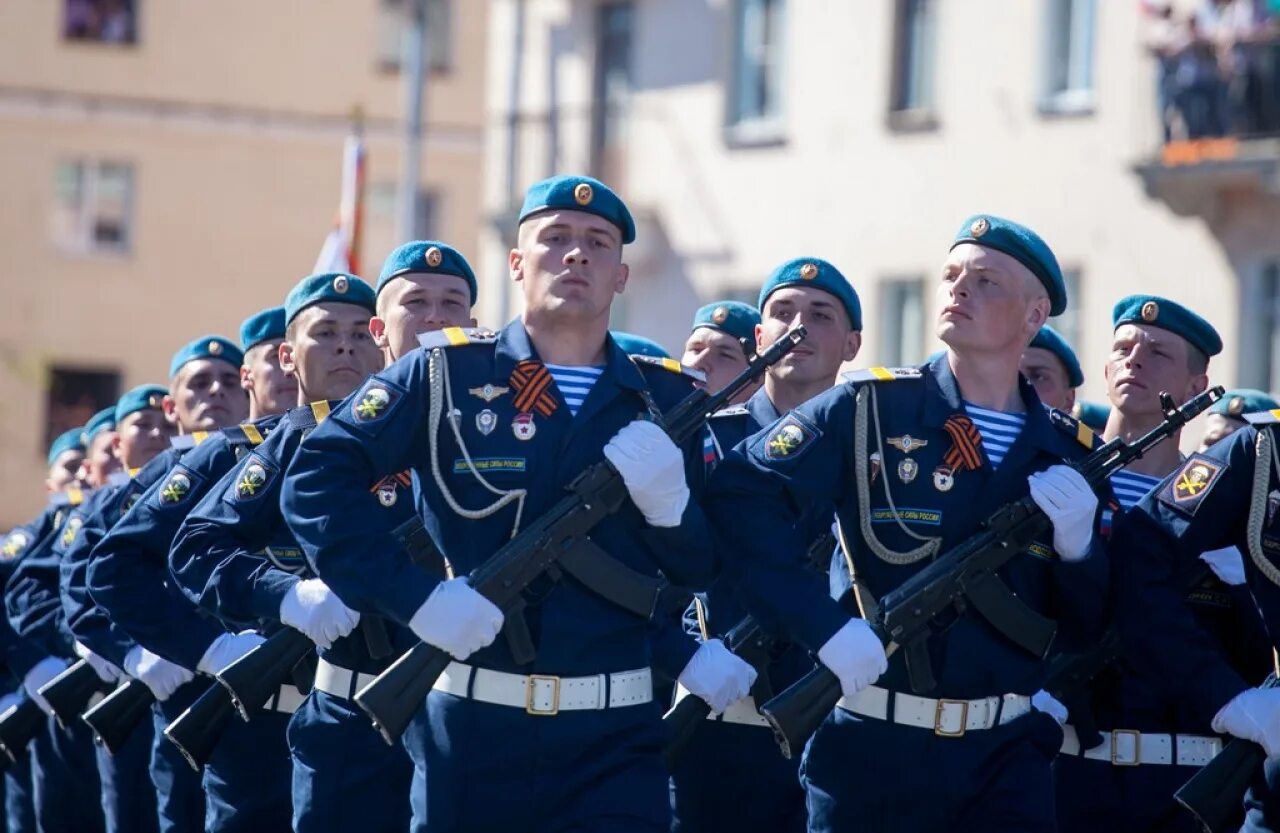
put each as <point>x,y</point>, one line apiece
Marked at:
<point>756,496</point>
<point>216,559</point>
<point>88,623</point>
<point>19,654</point>
<point>31,597</point>
<point>1081,592</point>
<point>380,430</point>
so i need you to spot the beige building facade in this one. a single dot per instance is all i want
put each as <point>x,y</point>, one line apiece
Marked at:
<point>170,180</point>
<point>747,132</point>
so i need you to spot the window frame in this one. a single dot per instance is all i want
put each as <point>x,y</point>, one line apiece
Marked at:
<point>1070,100</point>
<point>740,128</point>
<point>83,240</point>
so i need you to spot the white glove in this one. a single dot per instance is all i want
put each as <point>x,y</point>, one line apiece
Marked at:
<point>156,672</point>
<point>1254,715</point>
<point>457,619</point>
<point>311,607</point>
<point>106,672</point>
<point>855,655</point>
<point>1065,496</point>
<point>717,675</point>
<point>226,649</point>
<point>1043,701</point>
<point>1226,563</point>
<point>652,468</point>
<point>41,673</point>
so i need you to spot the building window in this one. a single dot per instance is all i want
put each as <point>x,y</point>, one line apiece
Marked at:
<point>901,322</point>
<point>93,206</point>
<point>100,21</point>
<point>74,395</point>
<point>1069,41</point>
<point>393,17</point>
<point>1068,323</point>
<point>755,94</point>
<point>911,102</point>
<point>612,86</point>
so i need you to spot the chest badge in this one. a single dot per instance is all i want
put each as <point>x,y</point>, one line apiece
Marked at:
<point>486,421</point>
<point>907,443</point>
<point>908,469</point>
<point>522,426</point>
<point>489,392</point>
<point>943,479</point>
<point>387,495</point>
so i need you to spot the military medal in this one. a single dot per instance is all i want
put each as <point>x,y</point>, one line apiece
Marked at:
<point>908,469</point>
<point>907,443</point>
<point>489,392</point>
<point>522,426</point>
<point>943,479</point>
<point>486,421</point>
<point>387,495</point>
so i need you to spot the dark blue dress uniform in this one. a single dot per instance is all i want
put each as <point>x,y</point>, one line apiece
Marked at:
<point>482,766</point>
<point>128,578</point>
<point>1208,503</point>
<point>236,558</point>
<point>732,775</point>
<point>926,489</point>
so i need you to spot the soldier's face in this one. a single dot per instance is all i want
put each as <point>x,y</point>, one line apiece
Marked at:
<point>141,436</point>
<point>1145,360</point>
<point>831,340</point>
<point>330,351</point>
<point>416,303</point>
<point>63,471</point>
<point>274,389</point>
<point>987,301</point>
<point>1049,377</point>
<point>206,395</point>
<point>100,461</point>
<point>717,354</point>
<point>1217,427</point>
<point>569,265</point>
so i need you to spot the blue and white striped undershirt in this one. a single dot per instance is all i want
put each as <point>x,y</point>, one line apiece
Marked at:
<point>1129,488</point>
<point>574,383</point>
<point>998,429</point>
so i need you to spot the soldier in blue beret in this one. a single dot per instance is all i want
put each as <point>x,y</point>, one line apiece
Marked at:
<point>706,786</point>
<point>1111,773</point>
<point>1227,414</point>
<point>271,390</point>
<point>127,580</point>
<point>911,461</point>
<point>1051,366</point>
<point>424,285</point>
<point>66,453</point>
<point>721,341</point>
<point>529,408</point>
<point>234,556</point>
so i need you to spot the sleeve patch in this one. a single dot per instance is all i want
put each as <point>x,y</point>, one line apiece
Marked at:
<point>15,543</point>
<point>252,480</point>
<point>71,529</point>
<point>373,403</point>
<point>1188,488</point>
<point>788,438</point>
<point>178,487</point>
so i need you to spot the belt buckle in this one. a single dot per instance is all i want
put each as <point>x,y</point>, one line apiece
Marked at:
<point>1137,747</point>
<point>531,689</point>
<point>964,718</point>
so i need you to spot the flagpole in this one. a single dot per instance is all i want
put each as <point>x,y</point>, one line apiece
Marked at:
<point>412,66</point>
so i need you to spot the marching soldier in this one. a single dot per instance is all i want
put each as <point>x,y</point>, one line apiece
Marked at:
<point>721,342</point>
<point>737,748</point>
<point>1052,368</point>
<point>957,439</point>
<point>569,736</point>
<point>1226,416</point>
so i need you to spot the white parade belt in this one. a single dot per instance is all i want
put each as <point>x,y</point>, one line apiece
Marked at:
<point>946,718</point>
<point>1128,747</point>
<point>545,694</point>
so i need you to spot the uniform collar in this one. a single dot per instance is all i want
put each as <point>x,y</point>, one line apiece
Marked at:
<point>761,408</point>
<point>514,347</point>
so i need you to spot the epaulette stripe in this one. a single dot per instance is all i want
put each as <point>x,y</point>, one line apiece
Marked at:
<point>672,365</point>
<point>320,410</point>
<point>1263,417</point>
<point>198,437</point>
<point>456,336</point>
<point>74,496</point>
<point>251,433</point>
<point>1084,434</point>
<point>882,373</point>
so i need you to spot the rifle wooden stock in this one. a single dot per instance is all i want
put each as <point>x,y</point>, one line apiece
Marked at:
<point>69,693</point>
<point>116,717</point>
<point>907,613</point>
<point>394,696</point>
<point>257,676</point>
<point>197,730</point>
<point>18,725</point>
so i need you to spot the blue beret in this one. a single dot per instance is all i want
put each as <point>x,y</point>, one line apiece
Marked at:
<point>429,257</point>
<point>66,441</point>
<point>1168,315</point>
<point>579,193</point>
<point>1240,401</point>
<point>1049,339</point>
<point>635,345</point>
<point>206,347</point>
<point>732,317</point>
<point>263,326</point>
<point>104,420</point>
<point>139,399</point>
<point>1092,414</point>
<point>819,274</point>
<point>1023,245</point>
<point>327,288</point>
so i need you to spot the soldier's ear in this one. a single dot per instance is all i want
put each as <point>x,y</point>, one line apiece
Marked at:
<point>170,408</point>
<point>246,378</point>
<point>515,264</point>
<point>852,344</point>
<point>620,281</point>
<point>287,364</point>
<point>378,329</point>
